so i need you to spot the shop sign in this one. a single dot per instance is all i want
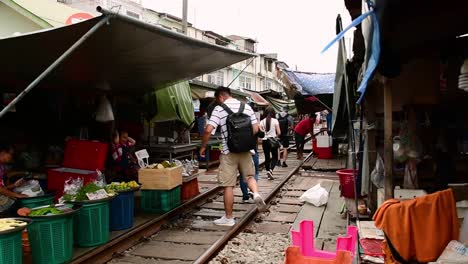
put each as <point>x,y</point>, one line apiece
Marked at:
<point>77,17</point>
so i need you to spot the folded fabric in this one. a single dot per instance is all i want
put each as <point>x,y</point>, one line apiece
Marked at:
<point>418,229</point>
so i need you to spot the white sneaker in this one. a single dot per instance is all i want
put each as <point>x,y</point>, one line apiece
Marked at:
<point>270,175</point>
<point>261,206</point>
<point>224,221</point>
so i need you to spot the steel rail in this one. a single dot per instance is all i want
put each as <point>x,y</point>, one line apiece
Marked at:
<point>221,242</point>
<point>106,252</point>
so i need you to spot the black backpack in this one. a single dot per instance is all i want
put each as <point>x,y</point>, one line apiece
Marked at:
<point>283,124</point>
<point>240,131</point>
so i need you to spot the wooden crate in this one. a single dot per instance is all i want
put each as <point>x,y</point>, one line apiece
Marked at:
<point>160,179</point>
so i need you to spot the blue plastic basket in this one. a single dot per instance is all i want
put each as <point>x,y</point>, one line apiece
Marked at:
<point>122,211</point>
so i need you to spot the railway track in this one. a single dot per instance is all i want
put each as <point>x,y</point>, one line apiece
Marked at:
<point>187,234</point>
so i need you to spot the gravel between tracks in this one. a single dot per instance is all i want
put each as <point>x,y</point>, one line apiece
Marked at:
<point>254,248</point>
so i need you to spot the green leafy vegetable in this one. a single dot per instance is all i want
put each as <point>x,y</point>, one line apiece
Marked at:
<point>88,188</point>
<point>45,211</point>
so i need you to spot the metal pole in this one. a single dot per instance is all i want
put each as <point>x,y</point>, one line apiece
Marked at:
<point>388,141</point>
<point>184,16</point>
<point>54,65</point>
<point>242,72</point>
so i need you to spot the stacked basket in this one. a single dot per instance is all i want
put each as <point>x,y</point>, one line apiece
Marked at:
<point>160,189</point>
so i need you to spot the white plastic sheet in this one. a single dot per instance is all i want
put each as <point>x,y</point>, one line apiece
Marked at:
<point>104,112</point>
<point>316,195</point>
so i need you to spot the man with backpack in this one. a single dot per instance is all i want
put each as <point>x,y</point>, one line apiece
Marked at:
<point>239,126</point>
<point>286,123</point>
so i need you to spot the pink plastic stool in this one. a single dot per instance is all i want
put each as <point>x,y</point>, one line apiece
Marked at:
<point>304,239</point>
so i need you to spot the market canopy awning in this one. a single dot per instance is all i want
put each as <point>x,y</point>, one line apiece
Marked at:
<point>204,90</point>
<point>123,56</point>
<point>410,28</point>
<point>308,83</point>
<point>257,99</point>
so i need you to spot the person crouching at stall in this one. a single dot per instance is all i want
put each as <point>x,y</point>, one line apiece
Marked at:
<point>7,196</point>
<point>125,166</point>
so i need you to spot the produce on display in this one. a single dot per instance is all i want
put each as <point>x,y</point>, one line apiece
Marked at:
<point>81,194</point>
<point>50,210</point>
<point>163,165</point>
<point>8,224</point>
<point>122,186</point>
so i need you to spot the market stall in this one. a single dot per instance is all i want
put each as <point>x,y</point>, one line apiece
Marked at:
<point>407,121</point>
<point>63,104</point>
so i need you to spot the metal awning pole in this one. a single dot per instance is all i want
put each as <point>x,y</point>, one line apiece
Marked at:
<point>54,65</point>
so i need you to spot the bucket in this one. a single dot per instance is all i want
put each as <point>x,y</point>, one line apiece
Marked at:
<point>347,182</point>
<point>122,211</point>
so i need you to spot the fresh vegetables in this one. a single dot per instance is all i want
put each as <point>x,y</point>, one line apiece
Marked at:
<point>121,186</point>
<point>7,224</point>
<point>88,188</point>
<point>50,210</point>
<point>163,165</point>
<point>81,193</point>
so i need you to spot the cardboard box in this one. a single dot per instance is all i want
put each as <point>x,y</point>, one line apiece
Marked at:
<point>160,179</point>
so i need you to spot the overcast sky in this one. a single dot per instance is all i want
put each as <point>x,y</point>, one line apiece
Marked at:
<point>295,29</point>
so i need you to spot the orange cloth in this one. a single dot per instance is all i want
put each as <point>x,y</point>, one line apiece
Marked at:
<point>419,229</point>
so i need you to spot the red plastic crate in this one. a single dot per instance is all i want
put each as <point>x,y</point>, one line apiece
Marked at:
<point>85,155</point>
<point>82,159</point>
<point>56,178</point>
<point>325,153</point>
<point>190,189</point>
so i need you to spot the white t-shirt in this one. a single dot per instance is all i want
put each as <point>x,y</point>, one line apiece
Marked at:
<point>219,115</point>
<point>273,124</point>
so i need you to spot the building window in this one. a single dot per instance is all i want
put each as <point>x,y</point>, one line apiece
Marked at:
<point>133,14</point>
<point>216,78</point>
<point>267,85</point>
<point>245,82</point>
<point>268,65</point>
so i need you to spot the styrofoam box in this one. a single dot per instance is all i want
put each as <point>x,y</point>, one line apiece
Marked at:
<point>324,141</point>
<point>401,194</point>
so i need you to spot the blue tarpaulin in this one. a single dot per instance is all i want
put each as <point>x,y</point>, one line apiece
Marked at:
<point>312,83</point>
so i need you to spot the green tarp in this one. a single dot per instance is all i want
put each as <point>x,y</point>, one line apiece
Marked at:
<point>174,103</point>
<point>278,105</point>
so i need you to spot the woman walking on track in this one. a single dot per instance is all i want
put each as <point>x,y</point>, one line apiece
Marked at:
<point>270,142</point>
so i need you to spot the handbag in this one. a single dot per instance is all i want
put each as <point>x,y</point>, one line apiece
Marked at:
<point>274,142</point>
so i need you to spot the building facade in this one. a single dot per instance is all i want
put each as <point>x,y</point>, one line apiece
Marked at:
<point>257,74</point>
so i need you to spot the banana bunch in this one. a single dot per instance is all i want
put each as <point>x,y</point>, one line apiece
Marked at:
<point>122,186</point>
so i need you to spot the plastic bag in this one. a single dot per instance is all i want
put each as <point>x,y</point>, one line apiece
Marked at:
<point>316,195</point>
<point>31,188</point>
<point>377,175</point>
<point>100,179</point>
<point>72,186</point>
<point>104,112</point>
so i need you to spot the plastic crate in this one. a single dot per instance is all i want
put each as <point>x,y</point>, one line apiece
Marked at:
<point>324,153</point>
<point>122,211</point>
<point>160,201</point>
<point>51,240</point>
<point>91,224</point>
<point>37,201</point>
<point>190,189</point>
<point>11,248</point>
<point>346,182</point>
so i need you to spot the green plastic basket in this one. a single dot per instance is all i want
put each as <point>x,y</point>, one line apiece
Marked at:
<point>160,201</point>
<point>37,201</point>
<point>91,224</point>
<point>11,249</point>
<point>51,239</point>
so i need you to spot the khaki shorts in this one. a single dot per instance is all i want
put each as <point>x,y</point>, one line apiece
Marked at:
<point>230,166</point>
